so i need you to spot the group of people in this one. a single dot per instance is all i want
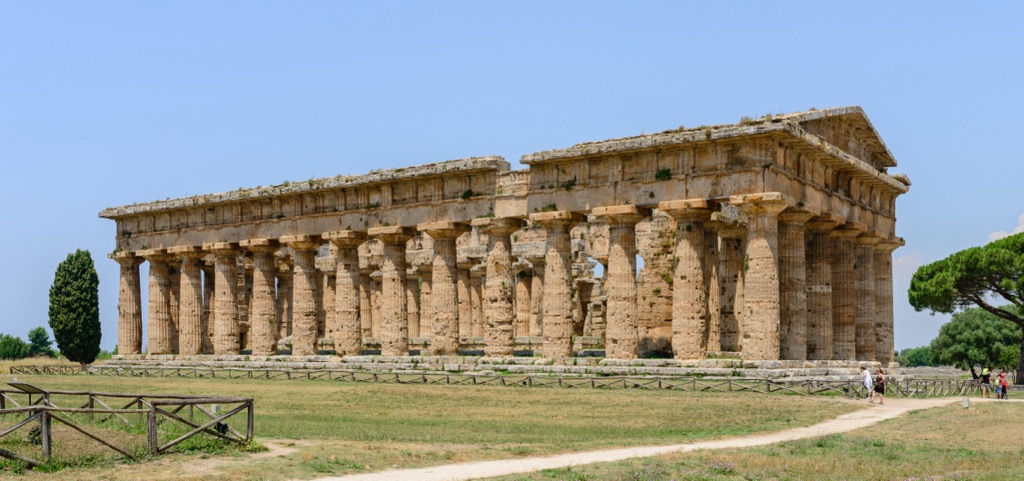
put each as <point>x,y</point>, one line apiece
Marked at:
<point>1001,384</point>
<point>876,387</point>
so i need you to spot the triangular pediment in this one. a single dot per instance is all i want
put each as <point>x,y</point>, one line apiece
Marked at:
<point>849,129</point>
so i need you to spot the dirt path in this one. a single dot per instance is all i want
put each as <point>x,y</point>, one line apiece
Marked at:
<point>871,414</point>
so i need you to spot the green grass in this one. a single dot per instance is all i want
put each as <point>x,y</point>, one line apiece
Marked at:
<point>340,427</point>
<point>949,443</point>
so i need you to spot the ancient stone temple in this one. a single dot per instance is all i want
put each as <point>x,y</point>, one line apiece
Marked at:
<point>770,239</point>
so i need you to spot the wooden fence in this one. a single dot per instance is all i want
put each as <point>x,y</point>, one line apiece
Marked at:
<point>129,410</point>
<point>852,388</point>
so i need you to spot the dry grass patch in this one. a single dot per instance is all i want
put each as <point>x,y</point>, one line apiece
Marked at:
<point>340,427</point>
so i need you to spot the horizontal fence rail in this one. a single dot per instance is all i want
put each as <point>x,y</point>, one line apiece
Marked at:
<point>851,388</point>
<point>86,412</point>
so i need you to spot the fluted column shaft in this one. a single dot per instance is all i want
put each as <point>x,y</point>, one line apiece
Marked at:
<point>713,280</point>
<point>819,286</point>
<point>537,299</point>
<point>444,296</point>
<point>225,307</point>
<point>731,274</point>
<point>762,307</point>
<point>304,305</point>
<point>499,297</point>
<point>426,301</point>
<point>620,279</point>
<point>523,312</point>
<point>476,294</point>
<point>793,284</point>
<point>347,331</point>
<point>844,294</point>
<point>412,302</point>
<point>463,287</point>
<point>883,299</point>
<point>864,284</point>
<point>366,303</point>
<point>129,304</point>
<point>263,321</point>
<point>394,323</point>
<point>284,298</point>
<point>158,311</point>
<point>689,292</point>
<point>209,294</point>
<point>558,330</point>
<point>190,307</point>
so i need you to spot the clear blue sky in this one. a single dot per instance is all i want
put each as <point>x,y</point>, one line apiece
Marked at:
<point>109,103</point>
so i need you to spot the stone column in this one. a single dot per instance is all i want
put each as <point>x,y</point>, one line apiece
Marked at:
<point>394,339</point>
<point>284,297</point>
<point>426,300</point>
<point>883,299</point>
<point>864,285</point>
<point>537,298</point>
<point>844,294</point>
<point>523,314</point>
<point>366,302</point>
<point>263,321</point>
<point>190,307</point>
<point>158,312</point>
<point>499,297</point>
<point>174,300</point>
<point>620,279</point>
<point>761,303</point>
<point>209,294</point>
<point>476,294</point>
<point>557,279</point>
<point>304,309</point>
<point>793,284</point>
<point>412,302</point>
<point>713,281</point>
<point>347,331</point>
<point>445,293</point>
<point>129,304</point>
<point>225,307</point>
<point>463,286</point>
<point>819,285</point>
<point>731,272</point>
<point>689,292</point>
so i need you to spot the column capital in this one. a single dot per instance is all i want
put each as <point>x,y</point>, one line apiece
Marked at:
<point>762,203</point>
<point>392,235</point>
<point>621,214</point>
<point>191,252</point>
<point>155,255</point>
<point>692,210</point>
<point>443,230</point>
<point>126,258</point>
<point>260,245</point>
<point>849,230</point>
<point>825,221</point>
<point>221,248</point>
<point>793,215</point>
<point>345,238</point>
<point>890,244</point>
<point>869,238</point>
<point>498,226</point>
<point>301,242</point>
<point>558,218</point>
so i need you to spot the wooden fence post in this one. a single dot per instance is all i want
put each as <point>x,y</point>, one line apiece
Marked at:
<point>44,432</point>
<point>151,437</point>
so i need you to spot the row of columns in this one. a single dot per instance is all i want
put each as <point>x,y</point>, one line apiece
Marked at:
<point>788,285</point>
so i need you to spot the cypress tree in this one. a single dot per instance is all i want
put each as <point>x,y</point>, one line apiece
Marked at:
<point>75,308</point>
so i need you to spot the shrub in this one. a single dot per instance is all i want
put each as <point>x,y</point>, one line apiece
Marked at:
<point>12,347</point>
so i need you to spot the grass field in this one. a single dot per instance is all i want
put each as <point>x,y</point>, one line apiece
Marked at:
<point>319,428</point>
<point>983,443</point>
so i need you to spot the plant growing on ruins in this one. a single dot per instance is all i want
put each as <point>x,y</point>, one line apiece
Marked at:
<point>569,184</point>
<point>468,194</point>
<point>75,308</point>
<point>975,277</point>
<point>663,174</point>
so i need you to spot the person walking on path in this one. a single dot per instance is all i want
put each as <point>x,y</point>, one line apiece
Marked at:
<point>986,381</point>
<point>880,386</point>
<point>1003,385</point>
<point>866,379</point>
